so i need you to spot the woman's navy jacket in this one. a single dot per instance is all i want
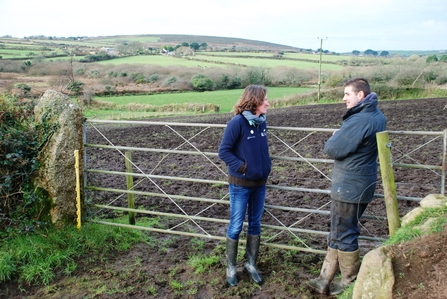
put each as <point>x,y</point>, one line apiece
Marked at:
<point>243,143</point>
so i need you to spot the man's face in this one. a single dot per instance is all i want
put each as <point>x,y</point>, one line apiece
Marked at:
<point>351,98</point>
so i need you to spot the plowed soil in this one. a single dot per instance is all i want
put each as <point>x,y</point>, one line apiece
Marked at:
<point>161,269</point>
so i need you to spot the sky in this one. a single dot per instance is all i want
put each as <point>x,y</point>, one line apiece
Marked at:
<point>341,26</point>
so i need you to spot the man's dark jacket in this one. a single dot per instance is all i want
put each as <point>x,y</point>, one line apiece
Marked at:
<point>354,149</point>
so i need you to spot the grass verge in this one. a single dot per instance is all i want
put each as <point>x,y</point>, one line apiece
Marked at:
<point>36,258</point>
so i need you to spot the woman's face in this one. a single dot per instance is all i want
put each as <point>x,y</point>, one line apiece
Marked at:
<point>262,109</point>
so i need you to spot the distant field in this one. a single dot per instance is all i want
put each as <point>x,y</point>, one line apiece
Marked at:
<point>224,98</point>
<point>120,39</point>
<point>7,53</point>
<point>268,63</point>
<point>217,61</point>
<point>331,58</point>
<point>159,60</point>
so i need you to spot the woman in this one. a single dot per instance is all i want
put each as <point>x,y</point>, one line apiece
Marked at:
<point>244,149</point>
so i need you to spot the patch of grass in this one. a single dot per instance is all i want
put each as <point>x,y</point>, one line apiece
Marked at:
<point>151,290</point>
<point>198,244</point>
<point>347,293</point>
<point>36,258</point>
<point>201,263</point>
<point>176,286</point>
<point>409,231</point>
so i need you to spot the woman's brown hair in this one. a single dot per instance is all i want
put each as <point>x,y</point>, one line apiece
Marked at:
<point>252,97</point>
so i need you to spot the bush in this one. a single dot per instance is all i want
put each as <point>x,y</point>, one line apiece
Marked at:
<point>334,80</point>
<point>406,76</point>
<point>255,75</point>
<point>441,79</point>
<point>202,83</point>
<point>75,87</point>
<point>140,79</point>
<point>153,78</point>
<point>431,58</point>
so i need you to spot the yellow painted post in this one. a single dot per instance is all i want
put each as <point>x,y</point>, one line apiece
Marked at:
<point>389,188</point>
<point>78,190</point>
<point>129,180</point>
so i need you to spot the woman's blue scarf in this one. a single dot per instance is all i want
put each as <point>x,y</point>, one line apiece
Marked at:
<point>254,119</point>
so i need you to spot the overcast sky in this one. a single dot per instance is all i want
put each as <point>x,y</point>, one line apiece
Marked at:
<point>343,25</point>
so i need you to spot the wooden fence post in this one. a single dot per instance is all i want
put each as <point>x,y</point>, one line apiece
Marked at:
<point>129,180</point>
<point>389,188</point>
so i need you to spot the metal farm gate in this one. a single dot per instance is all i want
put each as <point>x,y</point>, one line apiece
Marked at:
<point>166,177</point>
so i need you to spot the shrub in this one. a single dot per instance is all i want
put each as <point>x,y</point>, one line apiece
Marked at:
<point>75,87</point>
<point>255,75</point>
<point>80,72</point>
<point>431,58</point>
<point>169,81</point>
<point>334,80</point>
<point>140,79</point>
<point>406,76</point>
<point>202,83</point>
<point>153,78</point>
<point>441,79</point>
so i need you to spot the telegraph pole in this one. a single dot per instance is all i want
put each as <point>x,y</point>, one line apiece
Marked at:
<point>319,73</point>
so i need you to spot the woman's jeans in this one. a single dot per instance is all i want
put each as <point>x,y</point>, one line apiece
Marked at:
<point>243,201</point>
<point>344,230</point>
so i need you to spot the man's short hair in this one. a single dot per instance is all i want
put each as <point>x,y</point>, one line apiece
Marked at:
<point>359,84</point>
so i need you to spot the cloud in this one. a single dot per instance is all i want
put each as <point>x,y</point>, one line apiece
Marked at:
<point>348,24</point>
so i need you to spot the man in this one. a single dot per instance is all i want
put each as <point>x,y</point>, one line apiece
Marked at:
<point>354,150</point>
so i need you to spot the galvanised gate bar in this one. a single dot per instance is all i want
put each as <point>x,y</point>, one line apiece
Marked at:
<point>166,178</point>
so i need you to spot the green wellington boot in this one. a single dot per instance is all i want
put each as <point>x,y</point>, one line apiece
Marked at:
<point>349,263</point>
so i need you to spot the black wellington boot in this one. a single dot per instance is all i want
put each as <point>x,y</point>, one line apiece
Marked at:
<point>231,262</point>
<point>252,252</point>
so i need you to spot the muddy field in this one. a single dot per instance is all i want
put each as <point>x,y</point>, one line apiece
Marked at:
<point>301,171</point>
<point>298,186</point>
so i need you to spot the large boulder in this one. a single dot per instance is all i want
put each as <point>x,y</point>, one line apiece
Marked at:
<point>376,277</point>
<point>57,174</point>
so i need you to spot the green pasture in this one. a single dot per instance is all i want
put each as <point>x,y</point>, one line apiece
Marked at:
<point>99,42</point>
<point>21,46</point>
<point>63,58</point>
<point>224,98</point>
<point>80,43</point>
<point>161,60</point>
<point>217,61</point>
<point>329,58</point>
<point>232,54</point>
<point>121,39</point>
<point>12,53</point>
<point>8,49</point>
<point>268,63</point>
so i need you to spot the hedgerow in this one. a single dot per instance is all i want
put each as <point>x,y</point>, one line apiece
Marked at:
<point>21,138</point>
